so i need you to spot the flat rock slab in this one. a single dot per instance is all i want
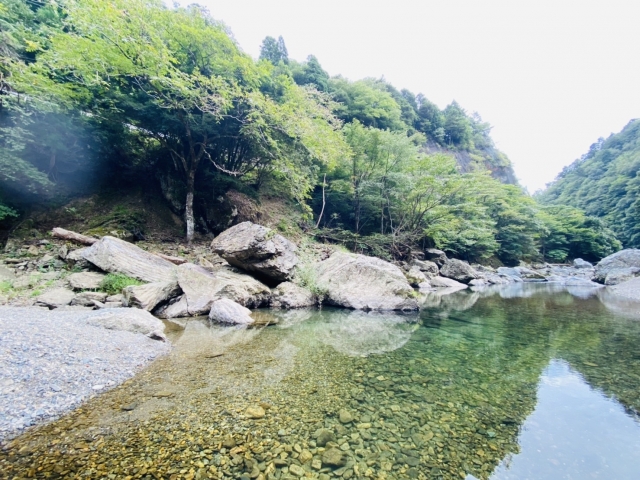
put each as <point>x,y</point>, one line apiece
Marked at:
<point>117,256</point>
<point>127,319</point>
<point>85,280</point>
<point>6,274</point>
<point>364,283</point>
<point>55,298</point>
<point>254,248</point>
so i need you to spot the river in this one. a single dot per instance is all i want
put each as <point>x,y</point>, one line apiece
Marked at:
<point>521,382</point>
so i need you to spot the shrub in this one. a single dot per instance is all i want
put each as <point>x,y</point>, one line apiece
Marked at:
<point>113,283</point>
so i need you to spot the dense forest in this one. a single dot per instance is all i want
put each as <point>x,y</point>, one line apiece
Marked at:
<point>96,93</point>
<point>605,183</point>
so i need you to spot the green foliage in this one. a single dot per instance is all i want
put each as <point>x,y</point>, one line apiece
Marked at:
<point>306,276</point>
<point>7,212</point>
<point>113,283</point>
<point>5,286</point>
<point>568,233</point>
<point>605,184</point>
<point>274,50</point>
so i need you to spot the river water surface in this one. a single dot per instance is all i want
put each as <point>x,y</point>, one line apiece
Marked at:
<point>522,382</point>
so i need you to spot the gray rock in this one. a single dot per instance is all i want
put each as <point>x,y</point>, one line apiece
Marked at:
<point>85,280</point>
<point>620,275</point>
<point>290,295</point>
<point>415,277</point>
<point>55,298</point>
<point>117,256</point>
<point>175,309</point>
<point>458,270</point>
<point>228,311</point>
<point>436,256</point>
<point>254,248</point>
<point>149,296</point>
<point>128,319</point>
<point>478,282</point>
<point>201,287</point>
<point>75,258</point>
<point>334,458</point>
<point>63,252</point>
<point>6,274</point>
<point>623,259</point>
<point>528,274</point>
<point>629,290</point>
<point>364,283</point>
<point>580,263</point>
<point>430,269</point>
<point>87,299</point>
<point>324,436</point>
<point>442,282</point>
<point>345,416</point>
<point>508,271</point>
<point>117,298</point>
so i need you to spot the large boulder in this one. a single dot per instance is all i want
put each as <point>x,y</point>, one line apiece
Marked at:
<point>202,287</point>
<point>55,298</point>
<point>458,270</point>
<point>149,296</point>
<point>255,248</point>
<point>290,295</point>
<point>621,275</point>
<point>430,269</point>
<point>117,256</point>
<point>628,258</point>
<point>85,280</point>
<point>436,256</point>
<point>228,311</point>
<point>364,283</point>
<point>127,319</point>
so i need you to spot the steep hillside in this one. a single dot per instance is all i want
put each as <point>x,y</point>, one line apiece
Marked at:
<point>605,183</point>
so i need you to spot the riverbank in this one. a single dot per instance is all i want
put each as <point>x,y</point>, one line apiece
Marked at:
<point>53,361</point>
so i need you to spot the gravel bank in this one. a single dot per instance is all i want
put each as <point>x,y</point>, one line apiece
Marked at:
<point>50,363</point>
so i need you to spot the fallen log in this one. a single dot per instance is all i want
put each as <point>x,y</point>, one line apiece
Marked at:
<point>174,260</point>
<point>73,236</point>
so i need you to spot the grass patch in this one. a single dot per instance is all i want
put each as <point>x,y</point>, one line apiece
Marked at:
<point>113,283</point>
<point>307,277</point>
<point>6,286</point>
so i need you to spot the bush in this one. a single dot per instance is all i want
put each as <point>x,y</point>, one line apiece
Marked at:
<point>113,283</point>
<point>307,277</point>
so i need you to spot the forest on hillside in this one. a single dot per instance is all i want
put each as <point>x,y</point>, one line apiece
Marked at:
<point>96,94</point>
<point>605,183</point>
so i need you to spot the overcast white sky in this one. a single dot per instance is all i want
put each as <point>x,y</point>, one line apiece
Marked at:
<point>550,76</point>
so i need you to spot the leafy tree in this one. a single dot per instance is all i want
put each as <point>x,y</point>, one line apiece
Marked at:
<point>366,102</point>
<point>183,82</point>
<point>457,127</point>
<point>274,50</point>
<point>311,73</point>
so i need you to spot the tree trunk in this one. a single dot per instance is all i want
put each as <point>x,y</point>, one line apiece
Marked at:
<point>188,210</point>
<point>324,181</point>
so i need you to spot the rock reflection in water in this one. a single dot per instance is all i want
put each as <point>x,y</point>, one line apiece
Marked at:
<point>360,334</point>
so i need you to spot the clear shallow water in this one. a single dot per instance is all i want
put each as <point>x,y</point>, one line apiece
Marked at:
<point>526,382</point>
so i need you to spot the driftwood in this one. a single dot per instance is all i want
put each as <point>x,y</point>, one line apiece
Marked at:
<point>174,260</point>
<point>73,236</point>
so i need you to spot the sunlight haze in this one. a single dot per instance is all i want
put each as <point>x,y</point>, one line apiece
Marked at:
<point>551,77</point>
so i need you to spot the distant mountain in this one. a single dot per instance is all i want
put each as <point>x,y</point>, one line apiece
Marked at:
<point>605,183</point>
